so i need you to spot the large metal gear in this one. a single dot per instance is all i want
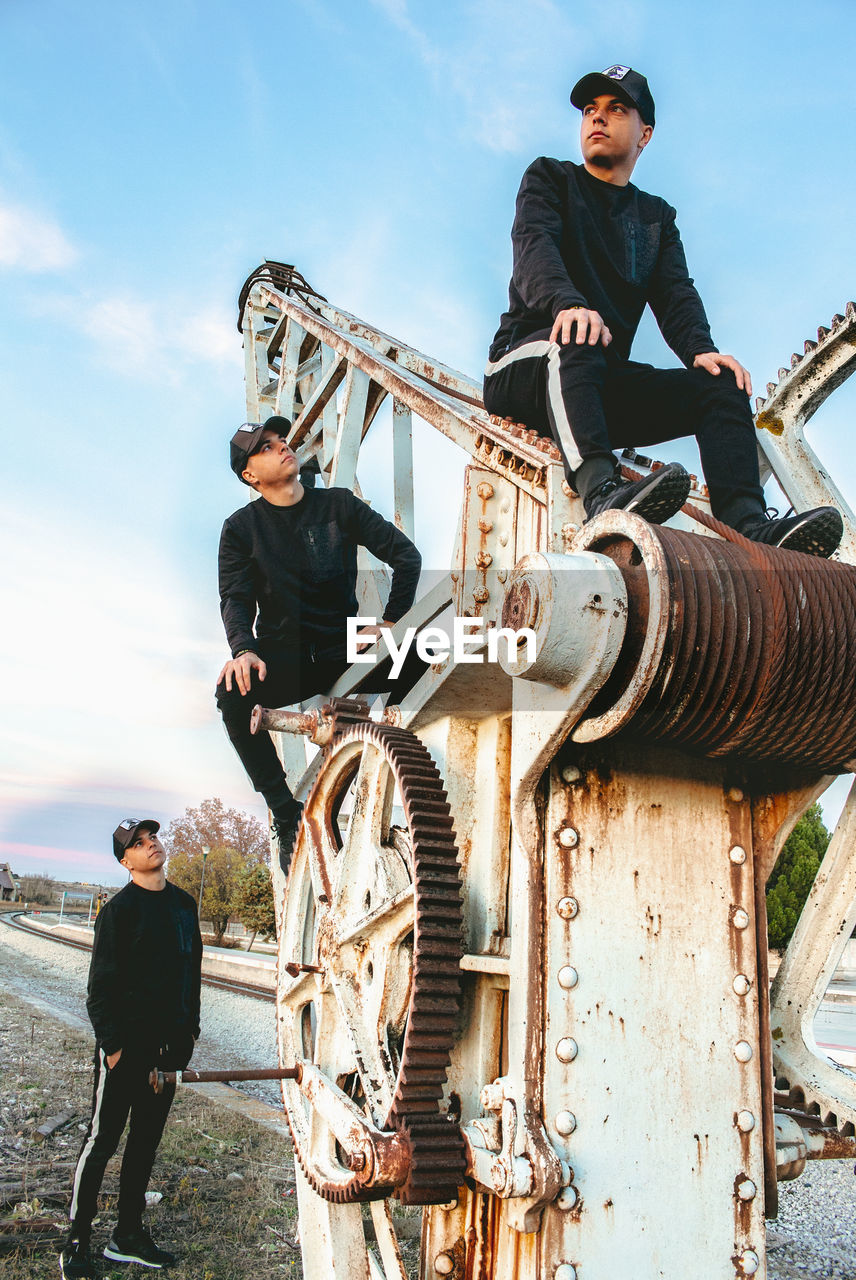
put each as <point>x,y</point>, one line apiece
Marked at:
<point>373,912</point>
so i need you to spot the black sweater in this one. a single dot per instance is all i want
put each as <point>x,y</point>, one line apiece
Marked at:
<point>297,567</point>
<point>582,242</point>
<point>146,969</point>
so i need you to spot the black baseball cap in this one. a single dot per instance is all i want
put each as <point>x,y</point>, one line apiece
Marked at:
<point>126,833</point>
<point>622,82</point>
<point>246,440</point>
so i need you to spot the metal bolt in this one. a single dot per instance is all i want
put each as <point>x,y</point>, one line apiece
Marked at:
<point>568,977</point>
<point>740,919</point>
<point>743,1051</point>
<point>484,490</point>
<point>745,1121</point>
<point>746,1189</point>
<point>444,1264</point>
<point>571,773</point>
<point>567,1199</point>
<point>749,1262</point>
<point>565,1271</point>
<point>737,854</point>
<point>569,837</point>
<point>741,984</point>
<point>567,1049</point>
<point>356,1161</point>
<point>735,794</point>
<point>567,908</point>
<point>566,1122</point>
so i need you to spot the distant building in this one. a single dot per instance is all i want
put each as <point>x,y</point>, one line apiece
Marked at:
<point>8,884</point>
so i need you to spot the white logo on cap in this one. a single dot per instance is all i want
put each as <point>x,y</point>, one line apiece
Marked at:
<point>616,73</point>
<point>128,823</point>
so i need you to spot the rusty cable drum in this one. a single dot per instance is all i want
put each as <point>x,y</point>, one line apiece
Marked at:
<point>759,659</point>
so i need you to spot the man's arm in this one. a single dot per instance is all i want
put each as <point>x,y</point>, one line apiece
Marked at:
<point>680,312</point>
<point>369,529</point>
<point>540,275</point>
<point>102,998</point>
<point>675,300</point>
<point>238,607</point>
<point>237,593</point>
<point>196,978</point>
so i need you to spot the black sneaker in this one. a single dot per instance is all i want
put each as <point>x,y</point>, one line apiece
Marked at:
<point>137,1246</point>
<point>656,497</point>
<point>75,1261</point>
<point>815,533</point>
<point>284,831</point>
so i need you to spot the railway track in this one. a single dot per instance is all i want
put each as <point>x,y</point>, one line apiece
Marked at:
<point>15,920</point>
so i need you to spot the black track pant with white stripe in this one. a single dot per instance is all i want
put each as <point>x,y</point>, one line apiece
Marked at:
<point>118,1093</point>
<point>592,401</point>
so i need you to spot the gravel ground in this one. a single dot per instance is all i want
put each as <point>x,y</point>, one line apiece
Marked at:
<point>236,1030</point>
<point>815,1234</point>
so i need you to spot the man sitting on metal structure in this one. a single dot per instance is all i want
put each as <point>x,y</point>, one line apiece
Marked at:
<point>288,573</point>
<point>590,250</point>
<point>143,1002</point>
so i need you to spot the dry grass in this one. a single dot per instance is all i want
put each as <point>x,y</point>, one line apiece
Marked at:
<point>228,1206</point>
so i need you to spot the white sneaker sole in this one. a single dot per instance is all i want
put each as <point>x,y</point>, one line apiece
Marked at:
<point>115,1256</point>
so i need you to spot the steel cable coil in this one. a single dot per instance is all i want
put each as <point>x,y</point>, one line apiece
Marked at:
<point>759,654</point>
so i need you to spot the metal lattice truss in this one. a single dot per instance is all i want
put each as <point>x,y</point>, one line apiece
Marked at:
<point>610,1068</point>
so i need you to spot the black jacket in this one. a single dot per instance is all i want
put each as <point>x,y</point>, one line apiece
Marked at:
<point>145,972</point>
<point>581,242</point>
<point>297,568</point>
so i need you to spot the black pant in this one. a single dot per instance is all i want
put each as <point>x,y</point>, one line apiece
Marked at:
<point>116,1093</point>
<point>592,401</point>
<point>291,677</point>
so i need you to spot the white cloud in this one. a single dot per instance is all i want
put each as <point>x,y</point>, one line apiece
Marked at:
<point>32,242</point>
<point>161,339</point>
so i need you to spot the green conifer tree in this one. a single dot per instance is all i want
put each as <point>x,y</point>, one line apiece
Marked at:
<point>793,875</point>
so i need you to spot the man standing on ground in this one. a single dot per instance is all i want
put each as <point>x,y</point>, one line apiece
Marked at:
<point>143,1002</point>
<point>590,251</point>
<point>288,572</point>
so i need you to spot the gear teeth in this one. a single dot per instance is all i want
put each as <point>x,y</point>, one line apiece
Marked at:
<point>437,1161</point>
<point>795,359</point>
<point>810,346</point>
<point>850,310</point>
<point>759,403</point>
<point>771,387</point>
<point>783,373</point>
<point>822,333</point>
<point>837,320</point>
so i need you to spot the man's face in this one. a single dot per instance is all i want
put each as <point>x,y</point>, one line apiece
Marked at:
<point>612,132</point>
<point>272,461</point>
<point>145,852</point>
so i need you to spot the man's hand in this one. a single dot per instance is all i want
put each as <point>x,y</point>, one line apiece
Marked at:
<point>712,361</point>
<point>589,325</point>
<point>241,669</point>
<point>113,1058</point>
<point>366,634</point>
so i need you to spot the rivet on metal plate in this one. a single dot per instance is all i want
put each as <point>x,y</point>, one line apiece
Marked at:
<point>568,977</point>
<point>743,1051</point>
<point>740,919</point>
<point>567,1049</point>
<point>741,984</point>
<point>737,854</point>
<point>567,908</point>
<point>745,1121</point>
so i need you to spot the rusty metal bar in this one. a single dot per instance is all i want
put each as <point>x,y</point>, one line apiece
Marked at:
<point>157,1079</point>
<point>311,724</point>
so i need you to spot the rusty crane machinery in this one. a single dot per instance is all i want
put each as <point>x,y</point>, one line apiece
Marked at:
<point>523,962</point>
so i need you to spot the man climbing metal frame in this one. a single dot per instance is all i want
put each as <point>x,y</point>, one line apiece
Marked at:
<point>590,250</point>
<point>291,556</point>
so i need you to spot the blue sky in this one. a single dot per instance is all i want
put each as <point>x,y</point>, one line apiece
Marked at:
<point>151,154</point>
